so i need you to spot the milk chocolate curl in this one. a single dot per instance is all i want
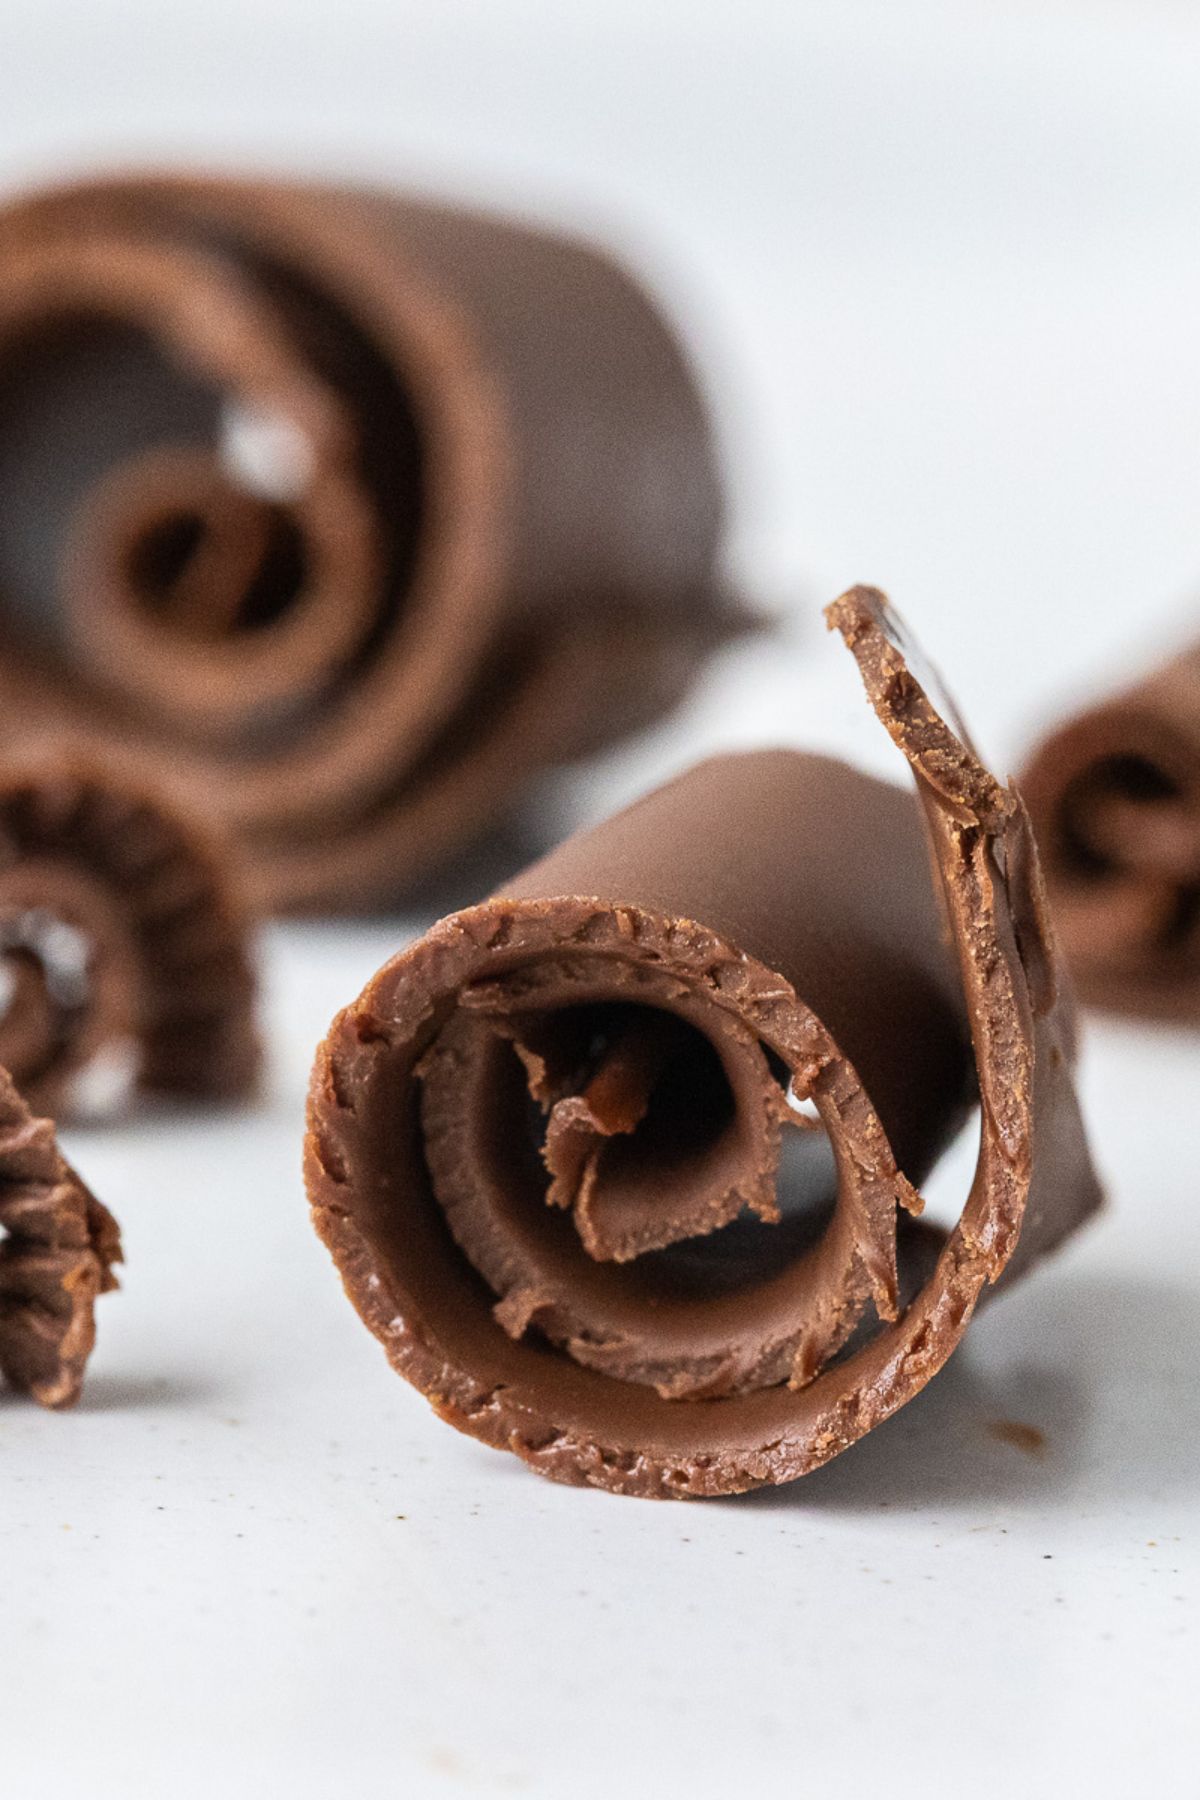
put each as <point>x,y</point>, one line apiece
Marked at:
<point>56,1255</point>
<point>354,513</point>
<point>621,1165</point>
<point>124,944</point>
<point>1114,795</point>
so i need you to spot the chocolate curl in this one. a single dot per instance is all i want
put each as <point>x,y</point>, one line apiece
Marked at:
<point>571,1150</point>
<point>56,1255</point>
<point>1115,799</point>
<point>124,945</point>
<point>352,512</point>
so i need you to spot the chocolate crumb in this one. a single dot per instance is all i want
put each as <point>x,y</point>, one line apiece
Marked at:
<point>1021,1436</point>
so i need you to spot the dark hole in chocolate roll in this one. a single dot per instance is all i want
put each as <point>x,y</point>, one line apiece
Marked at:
<point>163,552</point>
<point>79,396</point>
<point>1181,926</point>
<point>1131,778</point>
<point>750,1250</point>
<point>686,1139</point>
<point>167,548</point>
<point>685,1102</point>
<point>281,574</point>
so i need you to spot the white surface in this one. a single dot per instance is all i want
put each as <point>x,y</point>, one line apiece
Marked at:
<point>951,255</point>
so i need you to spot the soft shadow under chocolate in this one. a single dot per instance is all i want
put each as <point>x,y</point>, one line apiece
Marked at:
<point>1120,1421</point>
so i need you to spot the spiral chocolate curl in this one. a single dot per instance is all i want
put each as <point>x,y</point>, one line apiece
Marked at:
<point>124,944</point>
<point>56,1256</point>
<point>545,1144</point>
<point>350,513</point>
<point>1114,795</point>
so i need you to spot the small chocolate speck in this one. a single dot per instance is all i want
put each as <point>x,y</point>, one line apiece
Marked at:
<point>1020,1435</point>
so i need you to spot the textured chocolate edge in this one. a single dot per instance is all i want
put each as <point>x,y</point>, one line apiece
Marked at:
<point>185,994</point>
<point>56,1258</point>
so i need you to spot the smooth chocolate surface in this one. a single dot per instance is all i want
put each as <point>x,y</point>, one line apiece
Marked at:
<point>57,1253</point>
<point>1114,794</point>
<point>124,944</point>
<point>348,512</point>
<point>622,1165</point>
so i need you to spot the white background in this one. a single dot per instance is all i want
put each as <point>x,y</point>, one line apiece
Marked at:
<point>943,267</point>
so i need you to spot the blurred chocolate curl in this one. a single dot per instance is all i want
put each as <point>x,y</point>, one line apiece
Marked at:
<point>347,514</point>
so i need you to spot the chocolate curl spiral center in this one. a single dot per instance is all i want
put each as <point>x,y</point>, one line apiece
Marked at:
<point>207,498</point>
<point>656,1121</point>
<point>553,1144</point>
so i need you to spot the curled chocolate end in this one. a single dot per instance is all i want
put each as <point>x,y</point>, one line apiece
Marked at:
<point>621,1166</point>
<point>1115,799</point>
<point>362,511</point>
<point>57,1253</point>
<point>124,958</point>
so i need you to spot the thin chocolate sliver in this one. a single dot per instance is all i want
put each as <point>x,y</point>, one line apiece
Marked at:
<point>348,512</point>
<point>124,943</point>
<point>57,1252</point>
<point>1114,794</point>
<point>572,1150</point>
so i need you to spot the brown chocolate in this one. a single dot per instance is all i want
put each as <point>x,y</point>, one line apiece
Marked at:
<point>56,1255</point>
<point>124,945</point>
<point>621,1165</point>
<point>1114,795</point>
<point>351,513</point>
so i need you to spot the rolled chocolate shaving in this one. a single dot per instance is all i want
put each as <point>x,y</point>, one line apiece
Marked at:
<point>124,944</point>
<point>621,1165</point>
<point>354,511</point>
<point>57,1253</point>
<point>1115,799</point>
